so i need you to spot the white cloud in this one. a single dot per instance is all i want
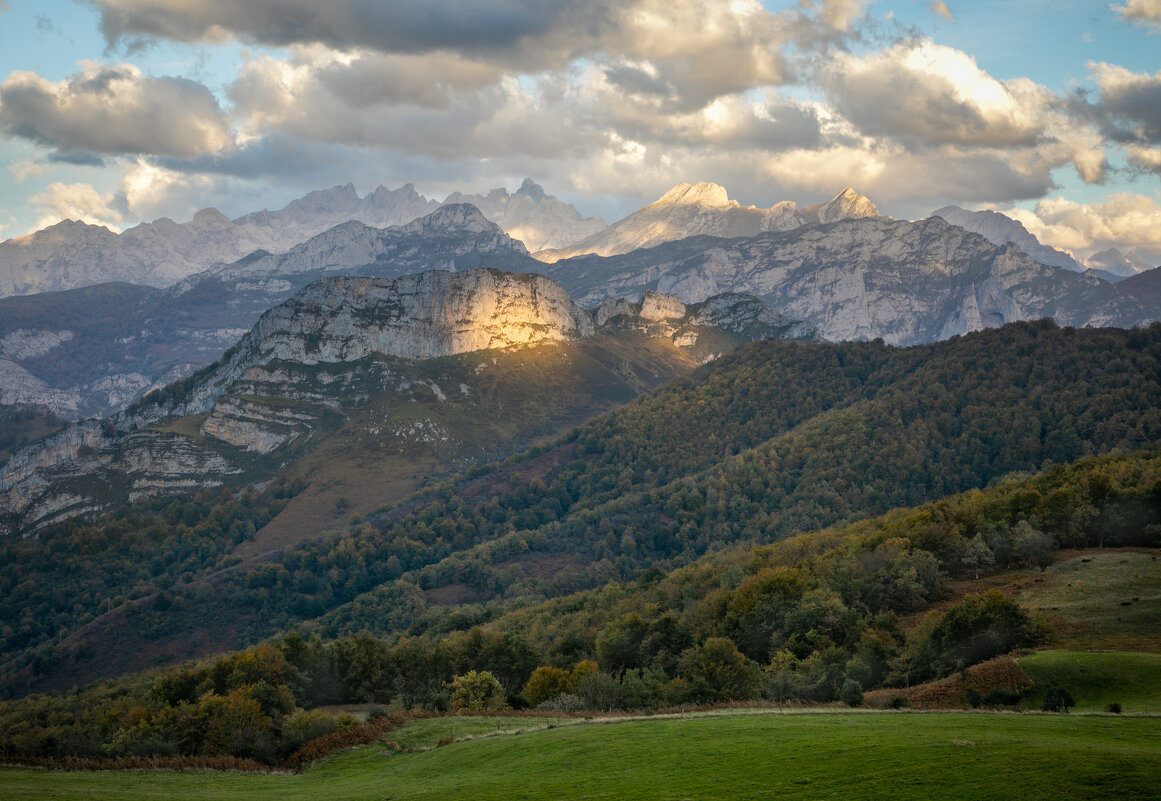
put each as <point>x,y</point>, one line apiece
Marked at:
<point>924,93</point>
<point>82,202</point>
<point>1123,220</point>
<point>838,14</point>
<point>113,109</point>
<point>940,7</point>
<point>1141,12</point>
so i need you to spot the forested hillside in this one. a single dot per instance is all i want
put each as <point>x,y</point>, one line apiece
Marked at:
<point>770,441</point>
<point>814,618</point>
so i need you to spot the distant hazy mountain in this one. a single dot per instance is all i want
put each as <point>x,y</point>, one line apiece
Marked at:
<point>1144,287</point>
<point>73,254</point>
<point>1119,264</point>
<point>705,209</point>
<point>538,220</point>
<point>907,282</point>
<point>348,361</point>
<point>1000,229</point>
<point>92,350</point>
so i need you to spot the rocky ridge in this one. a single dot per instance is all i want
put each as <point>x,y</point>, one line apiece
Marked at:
<point>317,359</point>
<point>74,254</point>
<point>537,219</point>
<point>700,209</point>
<point>999,229</point>
<point>906,282</point>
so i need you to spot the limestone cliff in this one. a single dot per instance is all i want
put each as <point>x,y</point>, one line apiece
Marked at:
<point>906,282</point>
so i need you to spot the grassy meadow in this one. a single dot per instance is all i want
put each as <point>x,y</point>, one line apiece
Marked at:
<point>839,754</point>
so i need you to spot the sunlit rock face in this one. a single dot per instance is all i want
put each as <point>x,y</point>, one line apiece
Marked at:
<point>418,316</point>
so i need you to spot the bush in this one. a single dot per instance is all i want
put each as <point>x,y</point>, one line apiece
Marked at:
<point>477,691</point>
<point>1057,699</point>
<point>1003,696</point>
<point>1114,708</point>
<point>851,693</point>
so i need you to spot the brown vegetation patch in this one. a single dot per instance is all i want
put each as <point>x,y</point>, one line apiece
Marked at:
<point>448,594</point>
<point>949,693</point>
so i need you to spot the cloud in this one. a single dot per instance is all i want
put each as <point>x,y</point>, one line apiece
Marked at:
<point>923,93</point>
<point>82,202</point>
<point>1141,12</point>
<point>1123,220</point>
<point>940,7</point>
<point>113,109</point>
<point>532,32</point>
<point>1129,102</point>
<point>840,15</point>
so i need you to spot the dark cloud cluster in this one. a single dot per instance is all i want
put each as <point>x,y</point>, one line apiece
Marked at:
<point>113,110</point>
<point>604,96</point>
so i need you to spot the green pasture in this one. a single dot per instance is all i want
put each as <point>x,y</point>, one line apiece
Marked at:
<point>1096,679</point>
<point>855,755</point>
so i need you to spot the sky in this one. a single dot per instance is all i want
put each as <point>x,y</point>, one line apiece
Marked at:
<point>122,111</point>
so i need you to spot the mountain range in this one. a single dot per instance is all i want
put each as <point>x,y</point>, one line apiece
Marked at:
<point>379,366</point>
<point>73,254</point>
<point>699,209</point>
<point>856,275</point>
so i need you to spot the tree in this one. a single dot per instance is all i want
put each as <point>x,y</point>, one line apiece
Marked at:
<point>851,693</point>
<point>477,691</point>
<point>1032,547</point>
<point>546,683</point>
<point>1057,699</point>
<point>977,555</point>
<point>719,672</point>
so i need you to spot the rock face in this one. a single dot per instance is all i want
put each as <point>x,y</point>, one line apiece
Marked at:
<point>705,209</point>
<point>699,327</point>
<point>334,350</point>
<point>1000,229</point>
<point>418,316</point>
<point>338,320</point>
<point>860,279</point>
<point>126,340</point>
<point>441,239</point>
<point>72,254</point>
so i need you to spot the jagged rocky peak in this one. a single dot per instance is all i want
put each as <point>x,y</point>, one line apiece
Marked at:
<point>419,316</point>
<point>700,194</point>
<point>999,229</point>
<point>704,209</point>
<point>454,218</point>
<point>531,189</point>
<point>847,205</point>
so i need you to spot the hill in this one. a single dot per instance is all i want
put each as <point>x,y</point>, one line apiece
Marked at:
<point>887,602</point>
<point>775,439</point>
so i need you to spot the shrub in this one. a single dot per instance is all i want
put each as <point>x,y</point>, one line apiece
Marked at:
<point>1057,699</point>
<point>1114,707</point>
<point>1002,696</point>
<point>477,691</point>
<point>851,693</point>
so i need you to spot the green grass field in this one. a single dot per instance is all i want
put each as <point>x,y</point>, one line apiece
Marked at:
<point>896,756</point>
<point>1098,678</point>
<point>1102,600</point>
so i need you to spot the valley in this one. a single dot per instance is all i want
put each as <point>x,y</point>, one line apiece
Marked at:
<point>805,458</point>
